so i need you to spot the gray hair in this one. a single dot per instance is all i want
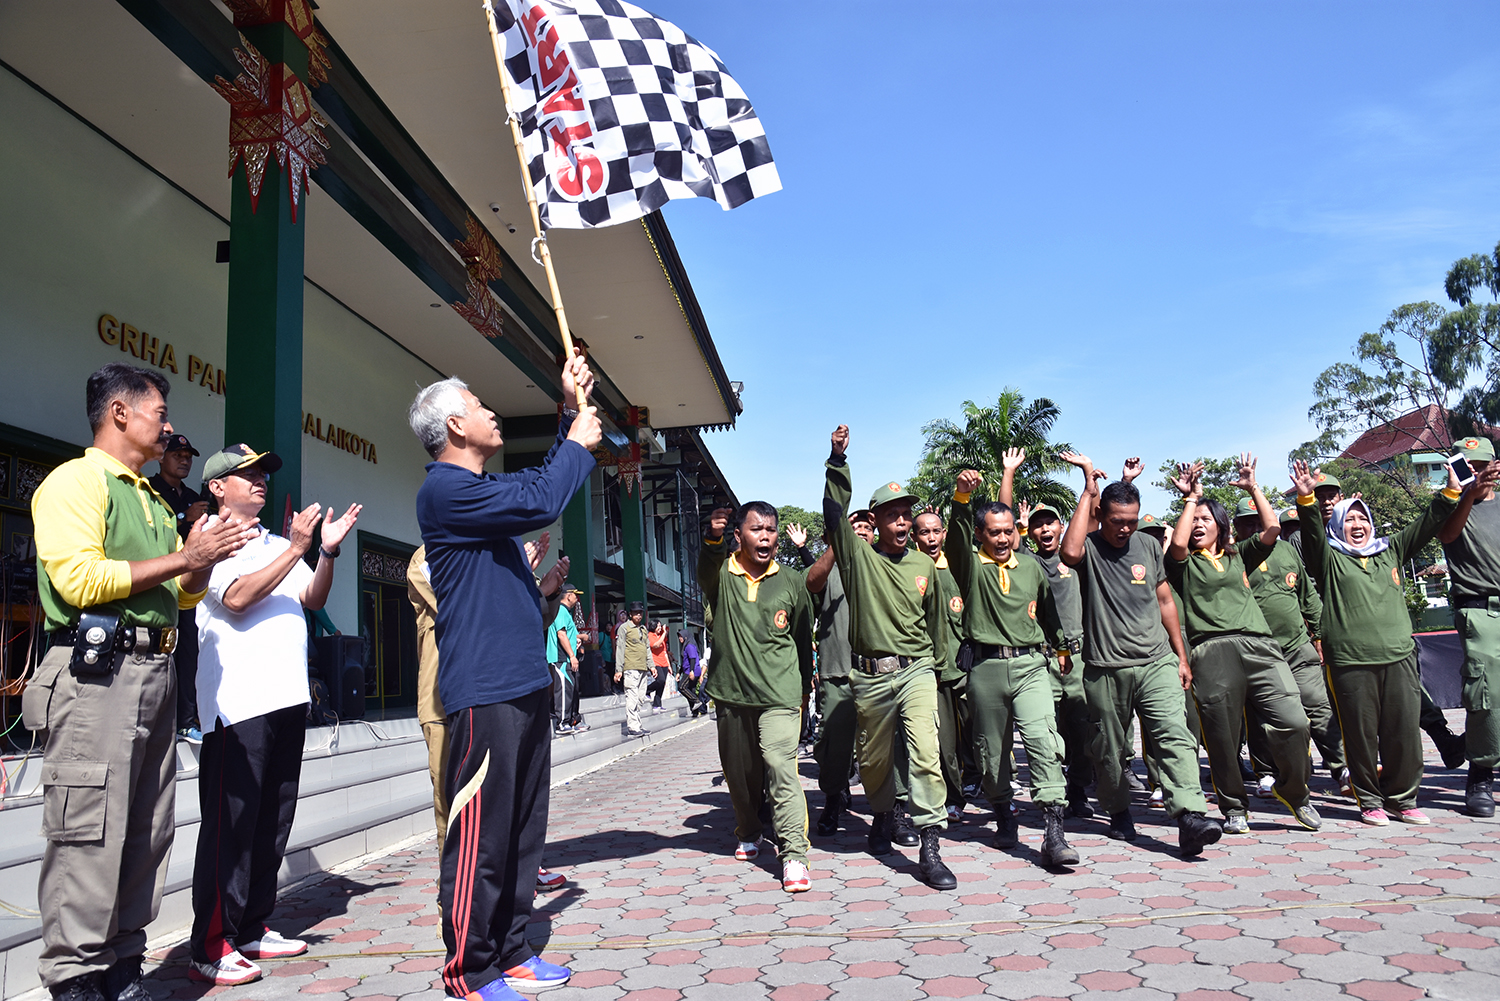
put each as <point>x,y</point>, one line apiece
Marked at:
<point>430,411</point>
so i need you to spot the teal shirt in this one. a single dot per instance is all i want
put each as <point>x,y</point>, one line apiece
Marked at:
<point>564,621</point>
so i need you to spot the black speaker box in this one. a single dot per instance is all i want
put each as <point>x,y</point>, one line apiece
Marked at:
<point>341,664</point>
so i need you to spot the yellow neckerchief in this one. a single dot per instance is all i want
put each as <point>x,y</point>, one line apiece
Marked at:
<point>752,584</point>
<point>1213,558</point>
<point>1004,568</point>
<point>942,560</point>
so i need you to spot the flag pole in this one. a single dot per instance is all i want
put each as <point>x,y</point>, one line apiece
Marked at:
<point>540,243</point>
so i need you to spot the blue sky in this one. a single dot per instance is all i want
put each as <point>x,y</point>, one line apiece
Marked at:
<point>1169,218</point>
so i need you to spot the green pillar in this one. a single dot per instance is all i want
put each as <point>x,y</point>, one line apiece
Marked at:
<point>578,543</point>
<point>263,353</point>
<point>633,539</point>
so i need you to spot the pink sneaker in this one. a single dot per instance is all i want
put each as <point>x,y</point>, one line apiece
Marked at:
<point>1375,817</point>
<point>1413,817</point>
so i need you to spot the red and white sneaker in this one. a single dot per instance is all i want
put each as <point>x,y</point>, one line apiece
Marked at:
<point>1413,816</point>
<point>273,945</point>
<point>794,878</point>
<point>549,880</point>
<point>747,851</point>
<point>228,971</point>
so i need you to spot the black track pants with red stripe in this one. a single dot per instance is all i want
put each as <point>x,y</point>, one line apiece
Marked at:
<point>499,763</point>
<point>248,776</point>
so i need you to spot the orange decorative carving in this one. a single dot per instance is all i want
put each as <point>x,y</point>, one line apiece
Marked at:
<point>482,310</point>
<point>296,15</point>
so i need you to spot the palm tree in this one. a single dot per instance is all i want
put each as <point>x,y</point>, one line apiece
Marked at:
<point>981,443</point>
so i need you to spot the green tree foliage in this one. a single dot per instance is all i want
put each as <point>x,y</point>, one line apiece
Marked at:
<point>811,521</point>
<point>981,442</point>
<point>1218,474</point>
<point>1466,345</point>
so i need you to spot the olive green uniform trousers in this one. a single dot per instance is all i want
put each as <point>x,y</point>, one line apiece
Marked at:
<point>1016,691</point>
<point>909,694</point>
<point>1071,711</point>
<point>1229,673</point>
<point>954,730</point>
<point>1379,706</point>
<point>108,806</point>
<point>758,754</point>
<point>1480,630</point>
<point>834,750</point>
<point>1323,723</point>
<point>1152,691</point>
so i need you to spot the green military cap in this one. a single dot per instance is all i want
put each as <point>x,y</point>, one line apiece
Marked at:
<point>1327,480</point>
<point>1245,508</point>
<point>236,457</point>
<point>892,491</point>
<point>1290,514</point>
<point>1478,449</point>
<point>1150,521</point>
<point>1043,509</point>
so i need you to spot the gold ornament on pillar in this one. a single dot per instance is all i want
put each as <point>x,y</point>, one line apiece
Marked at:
<point>297,15</point>
<point>482,259</point>
<point>271,113</point>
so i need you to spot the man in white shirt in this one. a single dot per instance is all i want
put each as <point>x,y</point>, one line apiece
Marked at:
<point>252,701</point>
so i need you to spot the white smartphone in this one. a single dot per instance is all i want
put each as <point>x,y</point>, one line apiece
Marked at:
<point>1461,469</point>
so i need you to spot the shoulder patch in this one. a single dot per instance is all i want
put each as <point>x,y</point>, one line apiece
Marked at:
<point>1396,576</point>
<point>781,618</point>
<point>956,603</point>
<point>1291,579</point>
<point>1138,572</point>
<point>922,585</point>
<point>1031,609</point>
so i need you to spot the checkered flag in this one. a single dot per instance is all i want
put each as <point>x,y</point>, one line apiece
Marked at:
<point>622,112</point>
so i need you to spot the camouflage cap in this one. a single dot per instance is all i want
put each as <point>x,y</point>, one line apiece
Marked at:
<point>1043,509</point>
<point>1149,521</point>
<point>1290,514</point>
<point>236,457</point>
<point>1478,449</point>
<point>1245,508</point>
<point>1327,480</point>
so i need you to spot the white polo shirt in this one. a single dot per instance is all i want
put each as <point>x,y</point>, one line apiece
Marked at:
<point>253,662</point>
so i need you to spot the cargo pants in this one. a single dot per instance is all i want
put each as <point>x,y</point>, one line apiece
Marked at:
<point>1379,706</point>
<point>911,695</point>
<point>758,754</point>
<point>1153,691</point>
<point>1480,630</point>
<point>1016,691</point>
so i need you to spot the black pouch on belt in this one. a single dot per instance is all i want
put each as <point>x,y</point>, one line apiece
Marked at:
<point>94,649</point>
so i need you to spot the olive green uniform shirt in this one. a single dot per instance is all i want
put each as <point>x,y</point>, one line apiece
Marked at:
<point>1284,590</point>
<point>1008,603</point>
<point>953,605</point>
<point>1474,557</point>
<point>1215,591</point>
<point>1365,619</point>
<point>1065,594</point>
<point>1122,624</point>
<point>833,628</point>
<point>763,631</point>
<point>894,606</point>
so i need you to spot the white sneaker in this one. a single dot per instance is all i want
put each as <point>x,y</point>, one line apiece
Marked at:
<point>273,945</point>
<point>794,878</point>
<point>231,970</point>
<point>747,851</point>
<point>1237,823</point>
<point>1158,797</point>
<point>1266,786</point>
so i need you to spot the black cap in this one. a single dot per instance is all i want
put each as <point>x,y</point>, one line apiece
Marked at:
<point>636,606</point>
<point>177,443</point>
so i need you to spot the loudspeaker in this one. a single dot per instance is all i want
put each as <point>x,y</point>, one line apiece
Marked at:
<point>341,663</point>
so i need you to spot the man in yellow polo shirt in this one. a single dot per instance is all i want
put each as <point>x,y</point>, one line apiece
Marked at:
<point>113,574</point>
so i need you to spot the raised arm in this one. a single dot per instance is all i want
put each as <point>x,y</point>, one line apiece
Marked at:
<point>1424,529</point>
<point>1189,482</point>
<point>837,490</point>
<point>1009,463</point>
<point>817,574</point>
<point>959,546</point>
<point>1314,533</point>
<point>713,552</point>
<point>1082,521</point>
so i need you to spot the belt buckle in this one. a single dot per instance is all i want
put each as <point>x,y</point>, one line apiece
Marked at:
<point>168,639</point>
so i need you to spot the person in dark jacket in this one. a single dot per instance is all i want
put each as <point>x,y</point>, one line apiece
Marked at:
<point>493,676</point>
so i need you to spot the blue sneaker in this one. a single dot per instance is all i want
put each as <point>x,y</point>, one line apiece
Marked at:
<point>535,974</point>
<point>191,734</point>
<point>495,990</point>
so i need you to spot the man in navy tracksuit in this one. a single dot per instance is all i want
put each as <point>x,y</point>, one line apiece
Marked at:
<point>493,676</point>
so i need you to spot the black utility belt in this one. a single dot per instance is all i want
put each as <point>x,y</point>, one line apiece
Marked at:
<point>996,651</point>
<point>128,639</point>
<point>1480,602</point>
<point>880,665</point>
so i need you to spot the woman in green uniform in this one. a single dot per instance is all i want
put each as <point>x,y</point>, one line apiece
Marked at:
<point>1234,658</point>
<point>1367,644</point>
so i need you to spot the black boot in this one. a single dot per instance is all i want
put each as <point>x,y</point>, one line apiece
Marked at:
<point>1479,792</point>
<point>81,988</point>
<point>905,834</point>
<point>879,838</point>
<point>1006,834</point>
<point>1452,747</point>
<point>930,862</point>
<point>1078,802</point>
<point>1055,848</point>
<point>1121,826</point>
<point>1195,831</point>
<point>122,982</point>
<point>828,820</point>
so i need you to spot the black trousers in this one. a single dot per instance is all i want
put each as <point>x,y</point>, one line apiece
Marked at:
<point>658,686</point>
<point>499,762</point>
<point>186,659</point>
<point>248,776</point>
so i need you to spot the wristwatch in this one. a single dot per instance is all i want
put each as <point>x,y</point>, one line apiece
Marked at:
<point>333,553</point>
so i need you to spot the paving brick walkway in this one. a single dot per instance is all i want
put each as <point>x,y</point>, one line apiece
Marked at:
<point>657,909</point>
